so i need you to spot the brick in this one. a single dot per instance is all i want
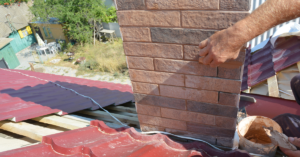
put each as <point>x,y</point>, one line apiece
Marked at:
<point>188,116</point>
<point>156,77</point>
<point>210,19</point>
<point>148,110</point>
<point>158,121</point>
<point>143,63</point>
<point>184,67</point>
<point>229,73</point>
<point>209,130</point>
<point>160,101</point>
<point>153,50</point>
<point>136,34</point>
<point>145,88</point>
<point>147,127</point>
<point>214,84</point>
<point>241,5</point>
<point>229,99</point>
<point>179,35</point>
<point>226,142</point>
<point>213,109</point>
<point>225,122</point>
<point>190,94</point>
<point>209,139</point>
<point>130,5</point>
<point>191,52</point>
<point>149,18</point>
<point>183,4</point>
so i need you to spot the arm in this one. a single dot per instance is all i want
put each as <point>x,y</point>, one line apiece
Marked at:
<point>226,44</point>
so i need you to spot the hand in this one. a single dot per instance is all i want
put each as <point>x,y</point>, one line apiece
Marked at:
<point>295,141</point>
<point>220,47</point>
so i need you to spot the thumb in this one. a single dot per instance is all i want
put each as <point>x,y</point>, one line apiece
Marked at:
<point>295,141</point>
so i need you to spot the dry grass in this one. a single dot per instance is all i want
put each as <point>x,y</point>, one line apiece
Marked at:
<point>102,57</point>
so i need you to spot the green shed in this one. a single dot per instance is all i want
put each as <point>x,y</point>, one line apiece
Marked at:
<point>8,54</point>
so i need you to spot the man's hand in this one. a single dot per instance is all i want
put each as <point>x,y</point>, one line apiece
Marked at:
<point>295,141</point>
<point>219,47</point>
<point>226,44</point>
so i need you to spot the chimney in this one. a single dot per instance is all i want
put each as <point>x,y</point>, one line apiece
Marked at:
<point>173,91</point>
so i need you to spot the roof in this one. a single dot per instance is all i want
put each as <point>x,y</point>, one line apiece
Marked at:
<point>4,41</point>
<point>20,17</point>
<point>265,62</point>
<point>24,96</point>
<point>100,140</point>
<point>52,20</point>
<point>269,106</point>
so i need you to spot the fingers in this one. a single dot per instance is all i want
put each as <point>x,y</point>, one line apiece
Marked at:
<point>207,59</point>
<point>214,63</point>
<point>203,44</point>
<point>289,152</point>
<point>204,51</point>
<point>295,141</point>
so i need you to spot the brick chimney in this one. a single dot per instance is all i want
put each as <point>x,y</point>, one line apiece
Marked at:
<point>173,92</point>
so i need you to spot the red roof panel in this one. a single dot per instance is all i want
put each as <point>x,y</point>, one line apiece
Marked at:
<point>100,140</point>
<point>23,95</point>
<point>267,61</point>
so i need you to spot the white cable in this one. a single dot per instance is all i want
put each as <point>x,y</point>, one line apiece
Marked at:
<point>184,137</point>
<point>150,132</point>
<point>74,92</point>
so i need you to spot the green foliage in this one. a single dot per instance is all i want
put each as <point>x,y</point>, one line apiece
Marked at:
<point>110,16</point>
<point>2,2</point>
<point>77,16</point>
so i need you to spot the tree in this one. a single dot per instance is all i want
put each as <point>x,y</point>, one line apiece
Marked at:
<point>76,16</point>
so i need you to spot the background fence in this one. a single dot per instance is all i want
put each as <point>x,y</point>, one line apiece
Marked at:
<point>255,4</point>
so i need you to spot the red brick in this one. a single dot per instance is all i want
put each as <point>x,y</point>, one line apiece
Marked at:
<point>183,4</point>
<point>145,88</point>
<point>226,142</point>
<point>149,18</point>
<point>214,84</point>
<point>190,94</point>
<point>229,73</point>
<point>212,109</point>
<point>188,116</point>
<point>225,122</point>
<point>209,130</point>
<point>148,110</point>
<point>130,5</point>
<point>179,35</point>
<point>156,77</point>
<point>209,139</point>
<point>147,127</point>
<point>184,67</point>
<point>160,101</point>
<point>210,19</point>
<point>170,123</point>
<point>136,34</point>
<point>142,63</point>
<point>242,5</point>
<point>192,53</point>
<point>153,50</point>
<point>229,99</point>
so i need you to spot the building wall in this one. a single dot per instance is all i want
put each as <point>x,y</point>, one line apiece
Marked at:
<point>57,32</point>
<point>19,44</point>
<point>173,91</point>
<point>8,53</point>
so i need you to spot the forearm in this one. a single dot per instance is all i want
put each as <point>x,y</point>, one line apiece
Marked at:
<point>268,15</point>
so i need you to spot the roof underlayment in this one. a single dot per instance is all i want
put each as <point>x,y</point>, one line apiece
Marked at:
<point>23,95</point>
